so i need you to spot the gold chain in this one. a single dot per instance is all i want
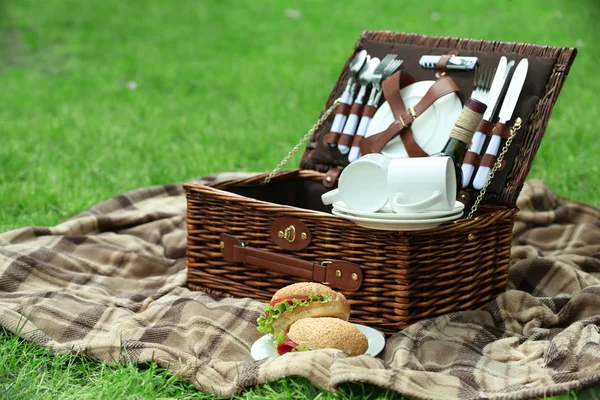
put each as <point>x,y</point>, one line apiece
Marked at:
<point>303,140</point>
<point>513,131</point>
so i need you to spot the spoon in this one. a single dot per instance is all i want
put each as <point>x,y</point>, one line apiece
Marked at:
<point>358,61</point>
<point>365,78</point>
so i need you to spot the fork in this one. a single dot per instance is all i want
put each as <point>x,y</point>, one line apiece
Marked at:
<point>469,118</point>
<point>502,71</point>
<point>472,113</point>
<point>482,84</point>
<point>364,80</point>
<point>388,65</point>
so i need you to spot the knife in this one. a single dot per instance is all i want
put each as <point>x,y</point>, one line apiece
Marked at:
<point>479,137</point>
<point>454,62</point>
<point>508,106</point>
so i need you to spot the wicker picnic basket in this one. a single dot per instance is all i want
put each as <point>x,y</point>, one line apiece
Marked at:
<point>239,231</point>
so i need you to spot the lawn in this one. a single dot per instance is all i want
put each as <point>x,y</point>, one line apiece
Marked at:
<point>101,97</point>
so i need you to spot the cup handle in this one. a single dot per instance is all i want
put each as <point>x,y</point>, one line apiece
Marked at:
<point>400,207</point>
<point>330,197</point>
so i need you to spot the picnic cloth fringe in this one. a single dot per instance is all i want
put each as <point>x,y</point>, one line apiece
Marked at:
<point>110,283</point>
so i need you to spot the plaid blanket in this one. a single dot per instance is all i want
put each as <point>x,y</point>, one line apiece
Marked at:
<point>110,283</point>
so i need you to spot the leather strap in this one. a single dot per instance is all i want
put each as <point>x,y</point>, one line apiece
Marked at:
<point>404,118</point>
<point>339,274</point>
<point>502,130</point>
<point>465,196</point>
<point>472,158</point>
<point>345,139</point>
<point>489,160</point>
<point>331,138</point>
<point>357,139</point>
<point>369,111</point>
<point>357,109</point>
<point>343,108</point>
<point>331,176</point>
<point>441,66</point>
<point>442,63</point>
<point>486,127</point>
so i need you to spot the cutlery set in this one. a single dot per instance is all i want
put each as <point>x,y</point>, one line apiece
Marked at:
<point>506,112</point>
<point>454,62</point>
<point>341,113</point>
<point>364,80</point>
<point>381,190</point>
<point>366,74</point>
<point>352,117</point>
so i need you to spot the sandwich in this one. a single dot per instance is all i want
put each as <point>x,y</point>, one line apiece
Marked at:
<point>301,300</point>
<point>322,333</point>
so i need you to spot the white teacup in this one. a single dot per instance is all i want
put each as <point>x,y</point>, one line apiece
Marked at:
<point>362,184</point>
<point>422,184</point>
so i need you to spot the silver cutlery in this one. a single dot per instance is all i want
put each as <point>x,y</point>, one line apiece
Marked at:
<point>386,67</point>
<point>357,63</point>
<point>364,79</point>
<point>454,63</point>
<point>508,107</point>
<point>483,83</point>
<point>479,137</point>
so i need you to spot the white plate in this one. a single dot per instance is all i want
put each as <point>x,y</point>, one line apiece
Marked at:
<point>264,348</point>
<point>387,213</point>
<point>397,224</point>
<point>431,129</point>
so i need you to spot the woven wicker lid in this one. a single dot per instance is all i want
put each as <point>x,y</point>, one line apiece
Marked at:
<point>549,67</point>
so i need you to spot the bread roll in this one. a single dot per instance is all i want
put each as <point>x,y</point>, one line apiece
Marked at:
<point>337,306</point>
<point>325,332</point>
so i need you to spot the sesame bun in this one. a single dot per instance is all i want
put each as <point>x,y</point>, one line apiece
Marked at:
<point>337,306</point>
<point>322,333</point>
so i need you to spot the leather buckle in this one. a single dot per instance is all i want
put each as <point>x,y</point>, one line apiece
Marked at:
<point>404,125</point>
<point>410,118</point>
<point>320,271</point>
<point>412,112</point>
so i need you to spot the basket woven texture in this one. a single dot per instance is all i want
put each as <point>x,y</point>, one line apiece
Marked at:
<point>407,276</point>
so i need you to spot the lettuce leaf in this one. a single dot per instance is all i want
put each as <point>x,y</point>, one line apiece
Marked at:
<point>280,337</point>
<point>272,313</point>
<point>300,348</point>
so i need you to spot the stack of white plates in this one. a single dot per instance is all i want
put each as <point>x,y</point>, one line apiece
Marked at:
<point>386,219</point>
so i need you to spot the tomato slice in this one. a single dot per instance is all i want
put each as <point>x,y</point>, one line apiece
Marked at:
<point>288,299</point>
<point>286,347</point>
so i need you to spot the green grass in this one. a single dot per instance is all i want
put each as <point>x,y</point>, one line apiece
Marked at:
<point>100,97</point>
<point>28,371</point>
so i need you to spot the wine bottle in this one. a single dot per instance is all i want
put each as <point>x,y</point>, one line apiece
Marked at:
<point>461,134</point>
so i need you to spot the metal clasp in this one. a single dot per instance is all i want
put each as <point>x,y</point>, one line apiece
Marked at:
<point>288,234</point>
<point>412,112</point>
<point>413,115</point>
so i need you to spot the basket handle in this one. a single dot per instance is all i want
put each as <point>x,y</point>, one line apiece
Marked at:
<point>339,274</point>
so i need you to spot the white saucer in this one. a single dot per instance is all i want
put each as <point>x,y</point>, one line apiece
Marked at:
<point>431,129</point>
<point>397,224</point>
<point>264,348</point>
<point>388,214</point>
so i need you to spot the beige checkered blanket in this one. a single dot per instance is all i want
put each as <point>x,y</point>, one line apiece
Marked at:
<point>110,282</point>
